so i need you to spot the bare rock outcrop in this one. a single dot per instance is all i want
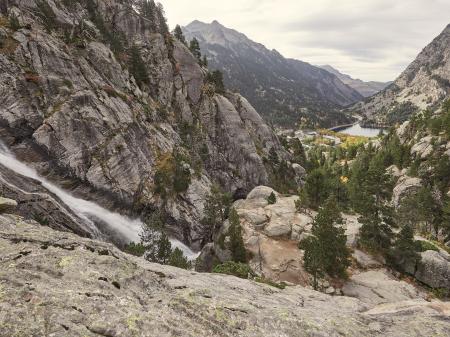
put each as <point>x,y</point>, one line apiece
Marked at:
<point>434,269</point>
<point>80,287</point>
<point>377,287</point>
<point>405,186</point>
<point>7,205</point>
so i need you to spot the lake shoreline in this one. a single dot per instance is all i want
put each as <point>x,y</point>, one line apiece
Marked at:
<point>358,129</point>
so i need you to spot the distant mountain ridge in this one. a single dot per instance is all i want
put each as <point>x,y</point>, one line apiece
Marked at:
<point>283,90</point>
<point>366,89</point>
<point>424,84</point>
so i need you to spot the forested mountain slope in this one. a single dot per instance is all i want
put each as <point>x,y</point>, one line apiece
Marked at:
<point>282,90</point>
<point>366,89</point>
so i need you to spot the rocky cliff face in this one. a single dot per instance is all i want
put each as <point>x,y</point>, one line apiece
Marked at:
<point>58,284</point>
<point>70,106</point>
<point>366,89</point>
<point>283,90</point>
<point>424,84</point>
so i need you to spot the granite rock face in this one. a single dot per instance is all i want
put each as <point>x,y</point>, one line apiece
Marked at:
<point>405,186</point>
<point>74,102</point>
<point>434,269</point>
<point>271,235</point>
<point>377,287</point>
<point>424,83</point>
<point>7,205</point>
<point>80,287</point>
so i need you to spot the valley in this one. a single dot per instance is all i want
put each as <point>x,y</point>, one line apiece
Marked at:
<point>192,182</point>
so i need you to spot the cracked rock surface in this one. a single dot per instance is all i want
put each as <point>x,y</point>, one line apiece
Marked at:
<point>58,284</point>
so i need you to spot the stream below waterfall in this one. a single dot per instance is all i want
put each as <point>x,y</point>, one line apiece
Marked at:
<point>89,212</point>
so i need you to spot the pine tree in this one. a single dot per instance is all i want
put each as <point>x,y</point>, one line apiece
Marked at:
<point>164,249</point>
<point>273,157</point>
<point>312,259</point>
<point>177,259</point>
<point>299,155</point>
<point>236,244</point>
<point>316,188</point>
<point>163,27</point>
<point>194,47</point>
<point>217,207</point>
<point>375,234</point>
<point>404,255</point>
<point>147,8</point>
<point>156,243</point>
<point>326,251</point>
<point>216,79</point>
<point>178,33</point>
<point>137,66</point>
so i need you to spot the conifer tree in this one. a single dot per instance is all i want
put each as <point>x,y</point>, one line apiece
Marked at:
<point>177,259</point>
<point>156,243</point>
<point>137,66</point>
<point>194,47</point>
<point>217,207</point>
<point>147,8</point>
<point>216,78</point>
<point>178,33</point>
<point>236,244</point>
<point>163,28</point>
<point>404,255</point>
<point>326,251</point>
<point>316,189</point>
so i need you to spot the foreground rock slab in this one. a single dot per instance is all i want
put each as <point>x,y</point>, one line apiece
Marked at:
<point>57,284</point>
<point>7,205</point>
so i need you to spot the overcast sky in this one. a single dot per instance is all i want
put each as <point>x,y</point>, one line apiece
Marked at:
<point>367,39</point>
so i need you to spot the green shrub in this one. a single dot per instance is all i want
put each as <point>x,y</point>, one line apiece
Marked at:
<point>136,249</point>
<point>14,23</point>
<point>238,269</point>
<point>441,293</point>
<point>426,245</point>
<point>280,285</point>
<point>272,199</point>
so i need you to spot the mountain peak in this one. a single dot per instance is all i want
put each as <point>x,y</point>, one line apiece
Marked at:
<point>283,90</point>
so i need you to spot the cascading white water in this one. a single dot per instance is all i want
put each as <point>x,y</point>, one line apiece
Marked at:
<point>85,210</point>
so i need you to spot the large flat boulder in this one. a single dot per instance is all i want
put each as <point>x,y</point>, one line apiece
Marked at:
<point>377,286</point>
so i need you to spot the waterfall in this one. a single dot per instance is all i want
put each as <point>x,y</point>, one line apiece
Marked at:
<point>87,211</point>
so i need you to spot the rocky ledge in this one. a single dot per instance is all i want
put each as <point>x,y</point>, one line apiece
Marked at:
<point>58,284</point>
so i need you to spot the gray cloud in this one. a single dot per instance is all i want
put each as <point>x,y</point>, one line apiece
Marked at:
<point>369,39</point>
